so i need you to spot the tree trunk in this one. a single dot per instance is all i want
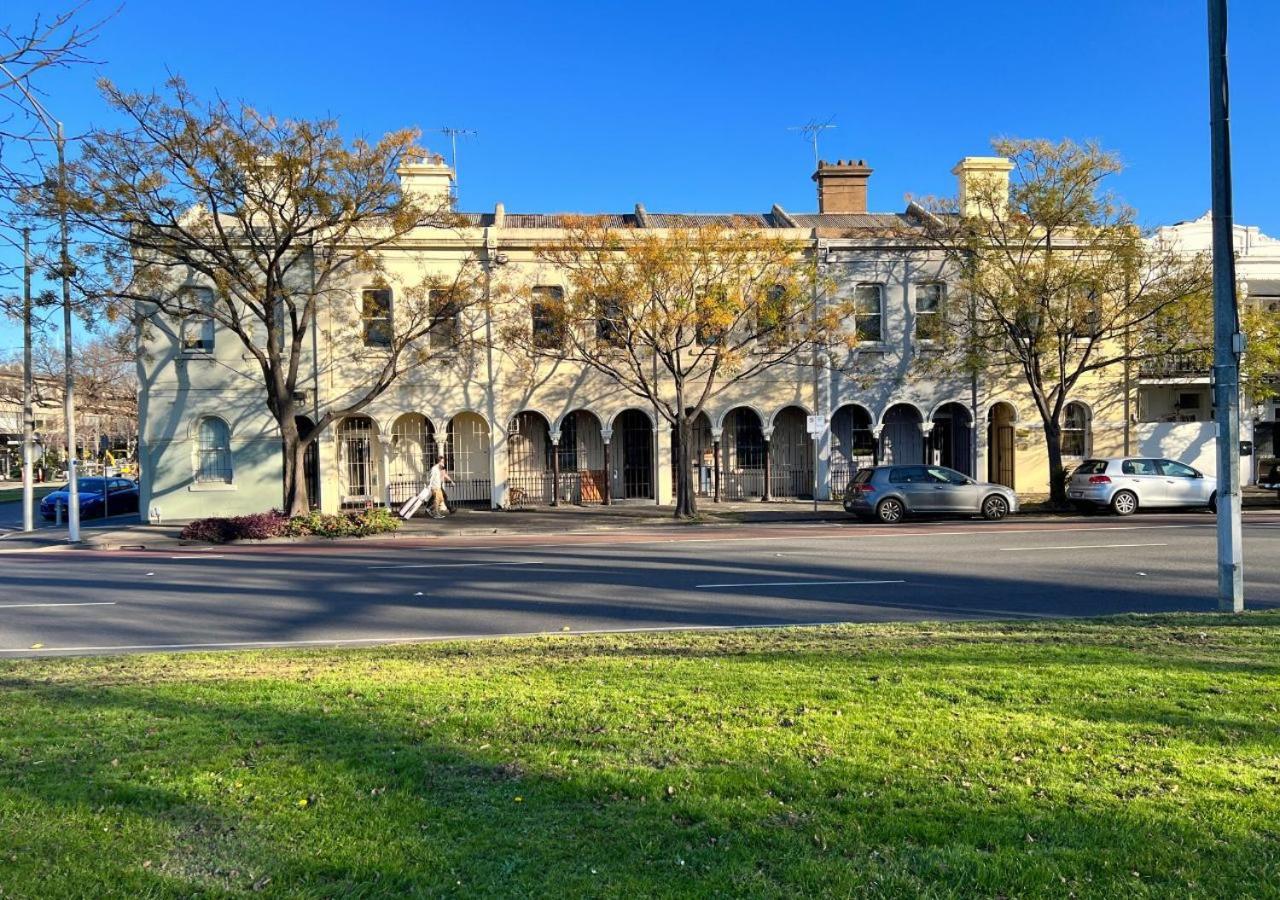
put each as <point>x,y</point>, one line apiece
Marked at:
<point>1057,483</point>
<point>293,458</point>
<point>686,499</point>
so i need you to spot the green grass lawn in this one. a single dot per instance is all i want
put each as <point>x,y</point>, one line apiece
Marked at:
<point>1123,757</point>
<point>12,495</point>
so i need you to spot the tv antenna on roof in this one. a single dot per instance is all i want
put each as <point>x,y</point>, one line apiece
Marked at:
<point>454,134</point>
<point>811,129</point>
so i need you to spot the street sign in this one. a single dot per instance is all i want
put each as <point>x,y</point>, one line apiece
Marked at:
<point>816,424</point>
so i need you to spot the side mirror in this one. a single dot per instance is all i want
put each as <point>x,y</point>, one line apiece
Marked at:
<point>1199,474</point>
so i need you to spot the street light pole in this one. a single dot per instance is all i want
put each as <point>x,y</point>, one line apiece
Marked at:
<point>69,405</point>
<point>28,413</point>
<point>1228,342</point>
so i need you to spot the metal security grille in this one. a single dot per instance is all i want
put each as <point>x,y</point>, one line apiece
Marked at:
<point>529,460</point>
<point>701,457</point>
<point>743,450</point>
<point>356,444</point>
<point>637,455</point>
<point>467,458</point>
<point>213,464</point>
<point>791,456</point>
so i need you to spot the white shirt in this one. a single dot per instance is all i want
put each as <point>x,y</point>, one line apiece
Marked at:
<point>436,481</point>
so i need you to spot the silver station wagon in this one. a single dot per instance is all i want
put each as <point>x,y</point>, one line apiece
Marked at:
<point>1127,484</point>
<point>889,493</point>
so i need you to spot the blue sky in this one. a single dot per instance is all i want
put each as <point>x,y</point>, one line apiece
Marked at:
<point>685,106</point>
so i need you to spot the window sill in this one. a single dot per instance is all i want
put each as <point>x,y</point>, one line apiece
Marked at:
<point>201,487</point>
<point>187,353</point>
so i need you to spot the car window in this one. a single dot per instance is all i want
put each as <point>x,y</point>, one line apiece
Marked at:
<point>1138,467</point>
<point>910,475</point>
<point>1177,469</point>
<point>1091,467</point>
<point>120,484</point>
<point>863,476</point>
<point>89,485</point>
<point>946,476</point>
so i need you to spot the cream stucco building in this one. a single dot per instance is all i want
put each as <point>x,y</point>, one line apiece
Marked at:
<point>209,446</point>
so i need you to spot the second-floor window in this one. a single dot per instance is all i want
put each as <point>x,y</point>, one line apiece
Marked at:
<point>776,323</point>
<point>197,322</point>
<point>710,312</point>
<point>548,318</point>
<point>868,312</point>
<point>444,309</point>
<point>929,311</point>
<point>609,324</point>
<point>375,317</point>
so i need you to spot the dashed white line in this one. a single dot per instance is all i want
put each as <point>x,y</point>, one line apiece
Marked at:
<point>797,583</point>
<point>1076,547</point>
<point>470,565</point>
<point>48,605</point>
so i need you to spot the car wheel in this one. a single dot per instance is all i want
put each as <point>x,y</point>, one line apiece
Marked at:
<point>1124,503</point>
<point>995,508</point>
<point>890,511</point>
<point>1213,502</point>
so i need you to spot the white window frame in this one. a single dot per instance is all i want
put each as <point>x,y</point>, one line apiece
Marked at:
<point>934,316</point>
<point>188,342</point>
<point>879,315</point>
<point>368,322</point>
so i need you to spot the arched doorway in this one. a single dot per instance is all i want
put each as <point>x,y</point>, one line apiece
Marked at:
<point>582,468</point>
<point>901,439</point>
<point>310,463</point>
<point>1000,444</point>
<point>701,457</point>
<point>410,458</point>
<point>359,453</point>
<point>791,455</point>
<point>466,453</point>
<point>853,445</point>
<point>742,446</point>
<point>529,464</point>
<point>633,475</point>
<point>951,440</point>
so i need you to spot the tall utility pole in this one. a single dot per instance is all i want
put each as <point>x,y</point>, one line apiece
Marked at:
<point>68,398</point>
<point>1228,342</point>
<point>28,388</point>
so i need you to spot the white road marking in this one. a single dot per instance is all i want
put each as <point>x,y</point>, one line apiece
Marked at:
<point>1077,547</point>
<point>796,583</point>
<point>470,565</point>
<point>199,556</point>
<point>47,605</point>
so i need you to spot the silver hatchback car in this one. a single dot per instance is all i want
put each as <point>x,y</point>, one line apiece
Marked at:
<point>1128,483</point>
<point>889,493</point>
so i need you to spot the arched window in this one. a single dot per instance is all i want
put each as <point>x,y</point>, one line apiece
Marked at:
<point>1075,430</point>
<point>213,452</point>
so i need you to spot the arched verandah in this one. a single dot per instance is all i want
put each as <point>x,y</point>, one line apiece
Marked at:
<point>359,462</point>
<point>412,452</point>
<point>951,438</point>
<point>466,453</point>
<point>853,445</point>
<point>901,436</point>
<point>529,460</point>
<point>701,457</point>
<point>1001,455</point>
<point>633,474</point>
<point>790,455</point>
<point>742,449</point>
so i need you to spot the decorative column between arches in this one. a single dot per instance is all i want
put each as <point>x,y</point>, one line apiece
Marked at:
<point>606,436</point>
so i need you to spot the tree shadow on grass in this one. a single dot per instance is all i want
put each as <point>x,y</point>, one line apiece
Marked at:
<point>470,787</point>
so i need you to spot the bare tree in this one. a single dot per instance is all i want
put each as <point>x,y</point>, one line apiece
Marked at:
<point>272,219</point>
<point>676,317</point>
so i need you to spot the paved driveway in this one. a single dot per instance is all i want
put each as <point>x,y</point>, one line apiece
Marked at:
<point>431,588</point>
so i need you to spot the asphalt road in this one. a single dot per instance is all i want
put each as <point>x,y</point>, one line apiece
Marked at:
<point>71,601</point>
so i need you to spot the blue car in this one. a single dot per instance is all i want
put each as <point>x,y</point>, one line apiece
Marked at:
<point>98,497</point>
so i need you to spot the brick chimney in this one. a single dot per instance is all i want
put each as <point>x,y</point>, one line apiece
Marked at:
<point>842,186</point>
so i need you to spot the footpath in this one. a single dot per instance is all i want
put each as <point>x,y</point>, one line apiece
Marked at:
<point>540,520</point>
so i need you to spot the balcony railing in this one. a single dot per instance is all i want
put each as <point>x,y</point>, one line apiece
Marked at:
<point>1188,364</point>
